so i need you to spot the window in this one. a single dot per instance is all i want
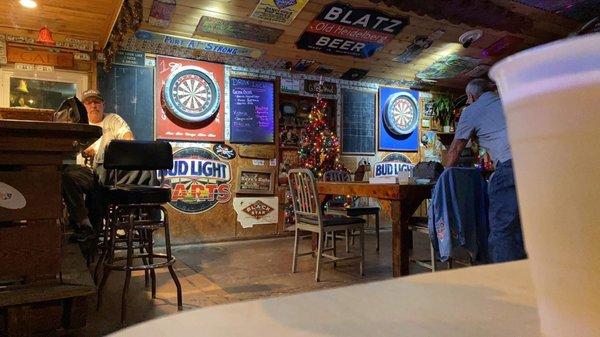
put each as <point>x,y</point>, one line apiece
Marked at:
<point>36,89</point>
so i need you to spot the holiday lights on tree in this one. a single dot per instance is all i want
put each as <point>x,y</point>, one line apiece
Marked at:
<point>320,148</point>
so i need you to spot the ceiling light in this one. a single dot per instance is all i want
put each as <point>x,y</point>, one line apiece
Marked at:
<point>28,3</point>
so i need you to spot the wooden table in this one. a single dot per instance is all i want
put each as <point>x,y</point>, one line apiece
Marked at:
<point>491,301</point>
<point>400,200</point>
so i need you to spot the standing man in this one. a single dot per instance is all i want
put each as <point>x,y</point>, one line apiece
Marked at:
<point>484,119</point>
<point>78,180</point>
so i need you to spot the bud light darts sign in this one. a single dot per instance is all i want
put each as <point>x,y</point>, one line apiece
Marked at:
<point>392,164</point>
<point>199,180</point>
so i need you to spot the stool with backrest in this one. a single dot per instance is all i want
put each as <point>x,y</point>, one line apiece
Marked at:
<point>138,211</point>
<point>352,210</point>
<point>309,217</point>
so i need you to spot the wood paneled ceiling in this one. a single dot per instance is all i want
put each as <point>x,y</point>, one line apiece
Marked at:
<point>90,20</point>
<point>545,27</point>
<point>93,20</point>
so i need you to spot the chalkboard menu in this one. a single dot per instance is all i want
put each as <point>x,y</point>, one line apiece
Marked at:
<point>252,110</point>
<point>358,122</point>
<point>129,92</point>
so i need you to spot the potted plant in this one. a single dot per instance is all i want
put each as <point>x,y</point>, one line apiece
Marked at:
<point>442,111</point>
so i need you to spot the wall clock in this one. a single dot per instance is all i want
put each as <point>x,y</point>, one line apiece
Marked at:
<point>401,115</point>
<point>191,94</point>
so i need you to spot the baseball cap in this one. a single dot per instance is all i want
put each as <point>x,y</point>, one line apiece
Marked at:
<point>92,93</point>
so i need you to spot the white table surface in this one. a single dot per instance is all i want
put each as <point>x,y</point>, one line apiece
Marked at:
<point>494,300</point>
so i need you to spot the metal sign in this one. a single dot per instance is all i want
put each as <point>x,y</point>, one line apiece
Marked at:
<point>197,44</point>
<point>448,67</point>
<point>199,180</point>
<point>161,13</point>
<point>237,30</point>
<point>420,43</point>
<point>341,29</point>
<point>392,164</point>
<point>130,58</point>
<point>278,11</point>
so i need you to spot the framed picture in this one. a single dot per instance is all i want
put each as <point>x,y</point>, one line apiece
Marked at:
<point>252,180</point>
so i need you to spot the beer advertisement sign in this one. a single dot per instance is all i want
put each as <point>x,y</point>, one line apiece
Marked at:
<point>341,29</point>
<point>199,180</point>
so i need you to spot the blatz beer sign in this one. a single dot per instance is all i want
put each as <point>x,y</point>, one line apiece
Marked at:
<point>344,30</point>
<point>198,180</point>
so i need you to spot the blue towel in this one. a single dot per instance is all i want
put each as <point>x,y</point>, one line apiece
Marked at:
<point>458,215</point>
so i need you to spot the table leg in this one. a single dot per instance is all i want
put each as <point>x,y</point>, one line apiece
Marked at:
<point>399,247</point>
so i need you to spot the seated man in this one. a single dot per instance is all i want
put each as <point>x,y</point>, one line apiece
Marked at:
<point>78,180</point>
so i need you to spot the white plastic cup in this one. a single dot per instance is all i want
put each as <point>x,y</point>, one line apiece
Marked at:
<point>551,98</point>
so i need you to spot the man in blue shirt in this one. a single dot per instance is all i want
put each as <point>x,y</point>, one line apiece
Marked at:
<point>484,119</point>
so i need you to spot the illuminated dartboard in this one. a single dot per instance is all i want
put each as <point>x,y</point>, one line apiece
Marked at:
<point>191,94</point>
<point>401,115</point>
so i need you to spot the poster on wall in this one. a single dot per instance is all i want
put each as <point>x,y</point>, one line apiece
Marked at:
<point>278,11</point>
<point>398,119</point>
<point>341,29</point>
<point>199,180</point>
<point>189,100</point>
<point>252,111</point>
<point>255,211</point>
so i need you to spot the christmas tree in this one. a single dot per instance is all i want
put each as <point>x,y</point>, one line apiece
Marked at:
<point>320,149</point>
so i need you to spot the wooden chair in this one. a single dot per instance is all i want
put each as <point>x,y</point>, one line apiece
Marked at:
<point>351,210</point>
<point>309,217</point>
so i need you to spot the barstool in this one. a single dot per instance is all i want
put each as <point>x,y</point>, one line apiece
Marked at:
<point>137,211</point>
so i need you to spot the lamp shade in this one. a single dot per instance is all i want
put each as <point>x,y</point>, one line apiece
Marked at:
<point>45,37</point>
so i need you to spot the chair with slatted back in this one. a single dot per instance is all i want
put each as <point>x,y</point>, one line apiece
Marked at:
<point>309,217</point>
<point>352,210</point>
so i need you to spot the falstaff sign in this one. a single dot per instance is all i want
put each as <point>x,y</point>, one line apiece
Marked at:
<point>343,30</point>
<point>199,180</point>
<point>208,46</point>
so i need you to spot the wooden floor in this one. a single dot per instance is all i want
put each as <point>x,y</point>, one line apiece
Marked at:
<point>214,274</point>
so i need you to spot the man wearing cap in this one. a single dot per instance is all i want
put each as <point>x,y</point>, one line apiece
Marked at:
<point>78,180</point>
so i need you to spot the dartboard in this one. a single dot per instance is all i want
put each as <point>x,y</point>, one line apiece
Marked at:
<point>191,94</point>
<point>401,115</point>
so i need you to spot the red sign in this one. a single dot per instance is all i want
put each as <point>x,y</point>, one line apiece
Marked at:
<point>168,124</point>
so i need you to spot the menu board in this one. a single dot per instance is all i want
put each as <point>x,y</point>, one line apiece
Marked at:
<point>358,122</point>
<point>252,110</point>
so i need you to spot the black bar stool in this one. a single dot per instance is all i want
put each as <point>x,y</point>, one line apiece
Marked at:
<point>136,211</point>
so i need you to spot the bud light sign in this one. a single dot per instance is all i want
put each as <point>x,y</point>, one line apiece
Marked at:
<point>198,180</point>
<point>392,164</point>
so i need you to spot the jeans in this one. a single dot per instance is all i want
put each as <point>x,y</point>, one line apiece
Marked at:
<point>78,181</point>
<point>506,237</point>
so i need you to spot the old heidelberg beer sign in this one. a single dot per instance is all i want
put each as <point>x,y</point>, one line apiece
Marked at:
<point>198,180</point>
<point>344,30</point>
